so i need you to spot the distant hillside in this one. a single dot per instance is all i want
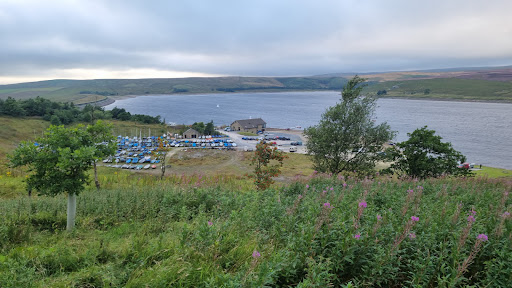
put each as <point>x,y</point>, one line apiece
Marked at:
<point>445,88</point>
<point>470,84</point>
<point>86,91</point>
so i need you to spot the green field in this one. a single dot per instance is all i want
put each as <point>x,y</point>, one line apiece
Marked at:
<point>446,89</point>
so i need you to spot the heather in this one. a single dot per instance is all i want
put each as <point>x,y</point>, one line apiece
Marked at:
<point>210,231</point>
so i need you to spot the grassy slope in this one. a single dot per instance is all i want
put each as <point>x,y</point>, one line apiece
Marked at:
<point>15,130</point>
<point>69,90</point>
<point>142,232</point>
<point>456,89</point>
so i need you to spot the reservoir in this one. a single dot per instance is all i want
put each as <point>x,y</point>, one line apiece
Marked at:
<point>481,131</point>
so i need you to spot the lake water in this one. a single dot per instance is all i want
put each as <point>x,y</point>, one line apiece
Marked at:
<point>481,131</point>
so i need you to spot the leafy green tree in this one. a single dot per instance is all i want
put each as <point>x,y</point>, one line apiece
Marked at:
<point>58,164</point>
<point>104,141</point>
<point>347,139</point>
<point>209,129</point>
<point>11,107</point>
<point>124,116</point>
<point>199,127</point>
<point>424,155</point>
<point>263,171</point>
<point>55,120</point>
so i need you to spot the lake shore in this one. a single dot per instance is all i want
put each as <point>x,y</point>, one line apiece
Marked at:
<point>122,97</point>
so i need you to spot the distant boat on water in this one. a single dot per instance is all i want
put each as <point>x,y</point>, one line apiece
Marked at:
<point>218,106</point>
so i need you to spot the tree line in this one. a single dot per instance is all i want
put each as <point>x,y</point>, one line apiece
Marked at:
<point>67,113</point>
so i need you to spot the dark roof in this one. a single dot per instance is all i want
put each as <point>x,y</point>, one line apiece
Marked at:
<point>251,123</point>
<point>190,130</point>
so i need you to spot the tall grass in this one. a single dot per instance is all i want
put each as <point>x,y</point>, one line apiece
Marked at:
<point>319,231</point>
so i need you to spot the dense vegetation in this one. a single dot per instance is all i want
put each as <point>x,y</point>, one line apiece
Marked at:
<point>211,232</point>
<point>67,113</point>
<point>424,155</point>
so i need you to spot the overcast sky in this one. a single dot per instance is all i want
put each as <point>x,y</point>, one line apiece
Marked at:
<point>92,39</point>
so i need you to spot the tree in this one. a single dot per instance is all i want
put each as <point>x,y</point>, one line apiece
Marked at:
<point>162,155</point>
<point>58,164</point>
<point>55,120</point>
<point>199,127</point>
<point>101,136</point>
<point>347,139</point>
<point>423,155</point>
<point>263,172</point>
<point>209,129</point>
<point>11,107</point>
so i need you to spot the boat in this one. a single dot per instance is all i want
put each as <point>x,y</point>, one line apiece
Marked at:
<point>153,166</point>
<point>147,166</point>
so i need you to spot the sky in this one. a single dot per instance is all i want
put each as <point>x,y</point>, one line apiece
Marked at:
<point>93,39</point>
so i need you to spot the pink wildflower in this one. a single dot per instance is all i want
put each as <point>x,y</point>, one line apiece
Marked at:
<point>357,236</point>
<point>332,188</point>
<point>412,235</point>
<point>482,237</point>
<point>327,205</point>
<point>415,219</point>
<point>505,215</point>
<point>307,186</point>
<point>256,254</point>
<point>471,218</point>
<point>210,223</point>
<point>379,217</point>
<point>362,204</point>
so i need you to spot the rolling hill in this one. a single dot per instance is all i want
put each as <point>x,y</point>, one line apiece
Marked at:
<point>469,84</point>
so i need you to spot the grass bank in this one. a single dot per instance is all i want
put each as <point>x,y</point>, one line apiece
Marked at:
<point>315,232</point>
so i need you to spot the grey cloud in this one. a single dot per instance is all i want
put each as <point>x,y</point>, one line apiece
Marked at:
<point>253,37</point>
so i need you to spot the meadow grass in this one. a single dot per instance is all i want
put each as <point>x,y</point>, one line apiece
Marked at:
<point>318,231</point>
<point>492,172</point>
<point>247,134</point>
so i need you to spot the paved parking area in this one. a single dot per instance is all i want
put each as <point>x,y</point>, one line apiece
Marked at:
<point>281,145</point>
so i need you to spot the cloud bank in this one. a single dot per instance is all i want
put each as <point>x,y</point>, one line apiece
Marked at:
<point>141,39</point>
